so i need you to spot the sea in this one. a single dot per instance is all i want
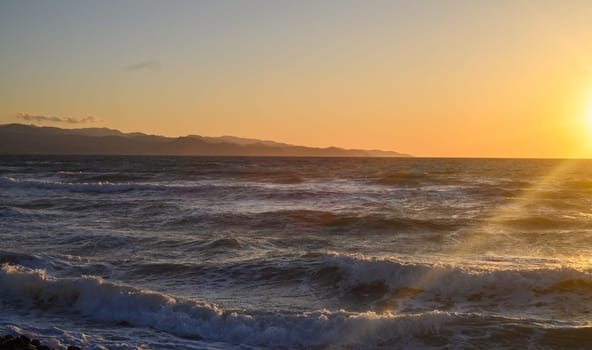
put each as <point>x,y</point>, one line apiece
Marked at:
<point>296,253</point>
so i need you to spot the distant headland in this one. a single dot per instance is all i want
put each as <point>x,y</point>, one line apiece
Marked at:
<point>31,139</point>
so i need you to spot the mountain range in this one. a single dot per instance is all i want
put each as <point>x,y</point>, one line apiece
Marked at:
<point>31,139</point>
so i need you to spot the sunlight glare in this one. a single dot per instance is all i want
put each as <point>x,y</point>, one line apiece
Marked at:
<point>587,115</point>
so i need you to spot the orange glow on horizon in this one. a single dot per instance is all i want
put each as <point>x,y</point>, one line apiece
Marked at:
<point>476,81</point>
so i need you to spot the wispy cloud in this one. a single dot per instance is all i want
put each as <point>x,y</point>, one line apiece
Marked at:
<point>144,65</point>
<point>45,118</point>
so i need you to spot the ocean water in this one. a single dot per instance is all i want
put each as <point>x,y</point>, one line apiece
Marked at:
<point>289,253</point>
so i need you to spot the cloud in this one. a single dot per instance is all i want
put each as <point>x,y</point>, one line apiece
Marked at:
<point>145,65</point>
<point>45,118</point>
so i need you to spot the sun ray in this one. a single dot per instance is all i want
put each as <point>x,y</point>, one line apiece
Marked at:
<point>476,239</point>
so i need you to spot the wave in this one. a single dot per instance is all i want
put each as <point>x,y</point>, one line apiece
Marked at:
<point>57,264</point>
<point>277,177</point>
<point>15,258</point>
<point>332,221</point>
<point>98,187</point>
<point>362,222</point>
<point>235,172</point>
<point>118,183</point>
<point>384,284</point>
<point>108,302</point>
<point>109,187</point>
<point>224,243</point>
<point>541,223</point>
<point>580,185</point>
<point>103,301</point>
<point>109,178</point>
<point>359,283</point>
<point>493,191</point>
<point>402,178</point>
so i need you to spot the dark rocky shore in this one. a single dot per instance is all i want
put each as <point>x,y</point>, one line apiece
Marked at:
<point>21,342</point>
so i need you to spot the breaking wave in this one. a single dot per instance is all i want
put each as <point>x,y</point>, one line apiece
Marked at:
<point>108,302</point>
<point>196,319</point>
<point>384,284</point>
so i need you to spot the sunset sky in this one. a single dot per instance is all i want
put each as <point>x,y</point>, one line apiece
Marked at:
<point>429,78</point>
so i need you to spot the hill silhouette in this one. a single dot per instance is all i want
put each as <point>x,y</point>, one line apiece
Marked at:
<point>31,139</point>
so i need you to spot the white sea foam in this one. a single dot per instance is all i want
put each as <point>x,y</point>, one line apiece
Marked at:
<point>511,288</point>
<point>109,302</point>
<point>108,187</point>
<point>105,187</point>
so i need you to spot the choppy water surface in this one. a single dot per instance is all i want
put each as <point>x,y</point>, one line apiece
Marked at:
<point>225,253</point>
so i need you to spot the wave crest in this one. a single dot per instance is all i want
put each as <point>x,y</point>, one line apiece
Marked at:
<point>110,302</point>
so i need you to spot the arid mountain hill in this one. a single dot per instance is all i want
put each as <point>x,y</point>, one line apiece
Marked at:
<point>30,139</point>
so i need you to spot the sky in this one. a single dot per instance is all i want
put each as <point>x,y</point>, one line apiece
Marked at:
<point>429,78</point>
